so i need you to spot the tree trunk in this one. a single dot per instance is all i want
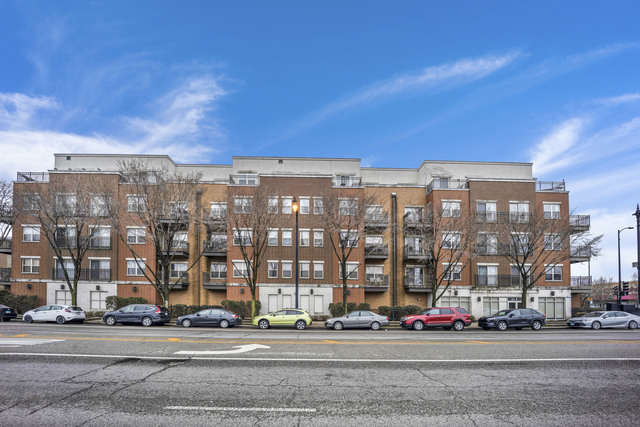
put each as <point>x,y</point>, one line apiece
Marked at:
<point>253,302</point>
<point>525,289</point>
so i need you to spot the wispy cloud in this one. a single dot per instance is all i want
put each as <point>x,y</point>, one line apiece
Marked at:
<point>617,100</point>
<point>446,75</point>
<point>550,153</point>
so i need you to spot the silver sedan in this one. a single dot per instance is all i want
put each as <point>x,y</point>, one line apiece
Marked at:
<point>605,319</point>
<point>358,319</point>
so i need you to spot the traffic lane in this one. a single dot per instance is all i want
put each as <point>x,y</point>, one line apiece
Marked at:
<point>145,392</point>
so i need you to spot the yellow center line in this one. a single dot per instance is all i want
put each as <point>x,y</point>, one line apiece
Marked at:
<point>482,342</point>
<point>20,336</point>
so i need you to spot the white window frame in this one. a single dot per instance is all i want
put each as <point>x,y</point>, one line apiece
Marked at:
<point>139,266</point>
<point>351,238</point>
<point>70,201</point>
<point>273,205</point>
<point>242,236</point>
<point>318,238</point>
<point>553,273</point>
<point>352,267</point>
<point>455,271</point>
<point>138,233</point>
<point>519,211</point>
<point>552,212</point>
<point>287,231</point>
<point>98,206</point>
<point>552,242</point>
<point>272,234</point>
<point>28,266</point>
<point>415,268</point>
<point>241,269</point>
<point>490,211</point>
<point>242,204</point>
<point>175,272</point>
<point>304,269</point>
<point>318,206</point>
<point>318,270</point>
<point>287,273</point>
<point>215,270</point>
<point>451,240</point>
<point>271,272</point>
<point>305,208</point>
<point>136,203</point>
<point>304,241</point>
<point>31,233</point>
<point>218,210</point>
<point>451,208</point>
<point>286,205</point>
<point>347,206</point>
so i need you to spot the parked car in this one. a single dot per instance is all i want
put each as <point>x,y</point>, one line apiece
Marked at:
<point>210,317</point>
<point>445,317</point>
<point>358,319</point>
<point>287,317</point>
<point>605,319</point>
<point>145,314</point>
<point>55,313</point>
<point>520,318</point>
<point>7,313</point>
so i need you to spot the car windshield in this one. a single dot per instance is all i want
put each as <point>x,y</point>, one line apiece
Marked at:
<point>594,314</point>
<point>502,313</point>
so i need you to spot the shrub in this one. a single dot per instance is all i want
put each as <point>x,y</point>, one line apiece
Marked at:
<point>397,311</point>
<point>178,310</point>
<point>364,306</point>
<point>319,317</point>
<point>115,302</point>
<point>337,309</point>
<point>412,309</point>
<point>21,303</point>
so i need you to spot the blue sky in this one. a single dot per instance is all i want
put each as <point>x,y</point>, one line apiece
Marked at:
<point>393,83</point>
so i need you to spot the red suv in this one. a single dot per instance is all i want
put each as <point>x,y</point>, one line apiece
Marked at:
<point>446,317</point>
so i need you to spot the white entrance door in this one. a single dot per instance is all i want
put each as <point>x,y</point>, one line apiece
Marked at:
<point>286,301</point>
<point>304,303</point>
<point>318,304</point>
<point>272,303</point>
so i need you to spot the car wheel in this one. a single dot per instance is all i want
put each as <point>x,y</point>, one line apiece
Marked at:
<point>375,326</point>
<point>633,324</point>
<point>338,326</point>
<point>536,325</point>
<point>502,325</point>
<point>418,325</point>
<point>263,324</point>
<point>486,328</point>
<point>224,323</point>
<point>110,320</point>
<point>60,320</point>
<point>186,323</point>
<point>458,325</point>
<point>147,321</point>
<point>300,324</point>
<point>28,319</point>
<point>596,325</point>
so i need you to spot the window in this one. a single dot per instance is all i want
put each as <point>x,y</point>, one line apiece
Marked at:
<point>318,270</point>
<point>490,305</point>
<point>272,269</point>
<point>462,302</point>
<point>487,244</point>
<point>286,269</point>
<point>318,238</point>
<point>100,237</point>
<point>318,206</point>
<point>413,245</point>
<point>352,270</point>
<point>218,210</point>
<point>63,297</point>
<point>179,209</point>
<point>349,238</point>
<point>242,237</point>
<point>520,243</point>
<point>31,265</point>
<point>100,269</point>
<point>136,236</point>
<point>373,274</point>
<point>246,179</point>
<point>515,303</point>
<point>452,271</point>
<point>99,205</point>
<point>135,267</point>
<point>136,203</point>
<point>451,239</point>
<point>373,242</point>
<point>553,273</point>
<point>486,212</point>
<point>519,212</point>
<point>273,205</point>
<point>65,237</point>
<point>65,204</point>
<point>551,210</point>
<point>413,214</point>
<point>66,265</point>
<point>98,300</point>
<point>218,270</point>
<point>304,269</point>
<point>179,240</point>
<point>242,204</point>
<point>30,233</point>
<point>32,202</point>
<point>177,269</point>
<point>240,269</point>
<point>286,237</point>
<point>348,206</point>
<point>487,275</point>
<point>374,213</point>
<point>516,276</point>
<point>553,308</point>
<point>552,242</point>
<point>304,206</point>
<point>414,276</point>
<point>304,237</point>
<point>273,237</point>
<point>286,205</point>
<point>451,208</point>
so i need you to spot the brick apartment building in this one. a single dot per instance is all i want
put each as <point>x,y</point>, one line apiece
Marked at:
<point>385,270</point>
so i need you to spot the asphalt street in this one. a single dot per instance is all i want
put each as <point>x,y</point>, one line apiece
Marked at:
<point>128,375</point>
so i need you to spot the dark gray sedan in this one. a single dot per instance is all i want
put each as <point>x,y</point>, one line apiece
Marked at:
<point>358,319</point>
<point>210,317</point>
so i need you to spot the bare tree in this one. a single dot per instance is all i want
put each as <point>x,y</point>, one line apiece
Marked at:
<point>158,207</point>
<point>68,212</point>
<point>8,212</point>
<point>250,219</point>
<point>537,245</point>
<point>343,219</point>
<point>602,291</point>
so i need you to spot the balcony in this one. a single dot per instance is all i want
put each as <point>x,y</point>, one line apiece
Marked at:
<point>486,249</point>
<point>416,284</point>
<point>179,248</point>
<point>66,242</point>
<point>244,179</point>
<point>5,275</point>
<point>497,280</point>
<point>214,283</point>
<point>447,184</point>
<point>552,186</point>
<point>415,253</point>
<point>174,217</point>
<point>376,251</point>
<point>179,284</point>
<point>218,217</point>
<point>418,221</point>
<point>215,247</point>
<point>100,243</point>
<point>346,181</point>
<point>580,254</point>
<point>579,223</point>
<point>376,282</point>
<point>86,274</point>
<point>377,220</point>
<point>581,281</point>
<point>5,247</point>
<point>33,177</point>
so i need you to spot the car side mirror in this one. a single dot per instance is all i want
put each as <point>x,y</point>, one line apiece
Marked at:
<point>198,314</point>
<point>511,315</point>
<point>346,317</point>
<point>273,315</point>
<point>120,311</point>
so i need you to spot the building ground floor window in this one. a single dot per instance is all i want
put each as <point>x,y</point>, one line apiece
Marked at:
<point>462,302</point>
<point>552,307</point>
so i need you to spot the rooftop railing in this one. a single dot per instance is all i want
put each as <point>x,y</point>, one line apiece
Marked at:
<point>447,184</point>
<point>33,177</point>
<point>550,186</point>
<point>346,181</point>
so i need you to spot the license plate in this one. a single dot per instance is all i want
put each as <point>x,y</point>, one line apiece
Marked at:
<point>572,323</point>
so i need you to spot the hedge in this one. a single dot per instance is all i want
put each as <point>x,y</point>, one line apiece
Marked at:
<point>115,302</point>
<point>21,303</point>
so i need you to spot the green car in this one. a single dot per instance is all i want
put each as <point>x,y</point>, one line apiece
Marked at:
<point>287,317</point>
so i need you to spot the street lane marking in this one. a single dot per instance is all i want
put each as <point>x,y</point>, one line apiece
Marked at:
<point>332,342</point>
<point>174,339</point>
<point>239,349</point>
<point>21,335</point>
<point>481,342</point>
<point>232,409</point>
<point>18,342</point>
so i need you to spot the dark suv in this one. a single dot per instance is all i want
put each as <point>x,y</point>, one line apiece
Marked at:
<point>146,314</point>
<point>520,318</point>
<point>445,317</point>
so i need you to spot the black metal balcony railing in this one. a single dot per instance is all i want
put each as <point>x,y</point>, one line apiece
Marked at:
<point>6,244</point>
<point>498,280</point>
<point>86,274</point>
<point>65,242</point>
<point>178,247</point>
<point>346,181</point>
<point>376,251</point>
<point>550,186</point>
<point>415,253</point>
<point>214,282</point>
<point>33,177</point>
<point>486,249</point>
<point>377,280</point>
<point>580,251</point>
<point>581,281</point>
<point>504,217</point>
<point>379,219</point>
<point>215,246</point>
<point>446,184</point>
<point>417,283</point>
<point>486,216</point>
<point>215,216</point>
<point>5,274</point>
<point>100,243</point>
<point>580,221</point>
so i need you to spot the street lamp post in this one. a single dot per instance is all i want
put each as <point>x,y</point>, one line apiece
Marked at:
<point>294,206</point>
<point>619,268</point>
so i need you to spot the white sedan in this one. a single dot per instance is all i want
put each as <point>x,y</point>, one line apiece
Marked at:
<point>605,319</point>
<point>55,313</point>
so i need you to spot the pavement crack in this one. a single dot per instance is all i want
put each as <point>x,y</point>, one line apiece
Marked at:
<point>62,399</point>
